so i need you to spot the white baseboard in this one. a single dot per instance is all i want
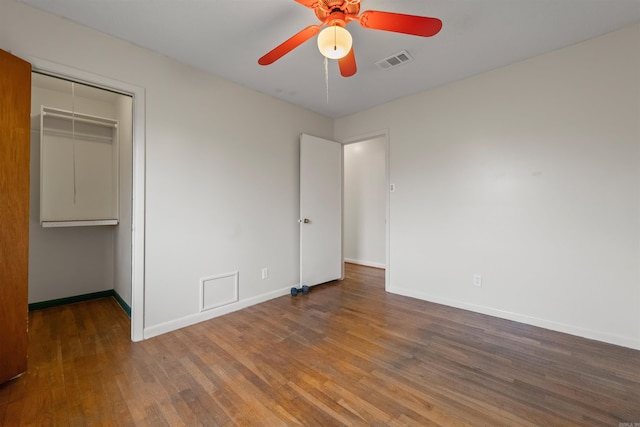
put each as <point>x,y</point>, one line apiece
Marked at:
<point>365,263</point>
<point>192,319</point>
<point>522,318</point>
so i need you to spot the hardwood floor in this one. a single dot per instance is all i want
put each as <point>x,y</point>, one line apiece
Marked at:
<point>346,354</point>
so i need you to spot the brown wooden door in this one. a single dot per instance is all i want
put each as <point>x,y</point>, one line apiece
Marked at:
<point>15,106</point>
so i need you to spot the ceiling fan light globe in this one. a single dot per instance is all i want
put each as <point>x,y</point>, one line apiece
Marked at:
<point>334,42</point>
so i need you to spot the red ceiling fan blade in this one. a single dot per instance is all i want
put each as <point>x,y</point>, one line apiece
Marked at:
<point>289,45</point>
<point>400,23</point>
<point>348,64</point>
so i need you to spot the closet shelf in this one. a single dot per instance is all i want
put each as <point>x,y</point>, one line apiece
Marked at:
<point>79,179</point>
<point>84,223</point>
<point>78,135</point>
<point>78,117</point>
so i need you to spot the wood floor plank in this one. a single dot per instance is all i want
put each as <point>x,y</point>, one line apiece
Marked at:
<point>346,354</point>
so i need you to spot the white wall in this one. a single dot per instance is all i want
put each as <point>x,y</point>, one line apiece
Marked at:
<point>122,233</point>
<point>70,261</point>
<point>365,202</point>
<point>221,166</point>
<point>530,176</point>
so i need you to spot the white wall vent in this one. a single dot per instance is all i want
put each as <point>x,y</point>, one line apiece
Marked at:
<point>394,60</point>
<point>216,291</point>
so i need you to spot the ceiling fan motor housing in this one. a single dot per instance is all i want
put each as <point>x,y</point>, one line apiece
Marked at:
<point>333,9</point>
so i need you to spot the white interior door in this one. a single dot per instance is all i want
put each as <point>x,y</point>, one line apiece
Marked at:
<point>320,210</point>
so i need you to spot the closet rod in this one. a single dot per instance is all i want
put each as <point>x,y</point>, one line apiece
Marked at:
<point>80,119</point>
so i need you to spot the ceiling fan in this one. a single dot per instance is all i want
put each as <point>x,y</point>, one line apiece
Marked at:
<point>335,42</point>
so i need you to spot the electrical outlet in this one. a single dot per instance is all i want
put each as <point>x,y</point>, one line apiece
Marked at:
<point>265,273</point>
<point>477,280</point>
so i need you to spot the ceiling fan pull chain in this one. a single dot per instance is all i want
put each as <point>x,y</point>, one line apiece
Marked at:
<point>326,76</point>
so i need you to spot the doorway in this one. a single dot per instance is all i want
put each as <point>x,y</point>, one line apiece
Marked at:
<point>136,198</point>
<point>366,202</point>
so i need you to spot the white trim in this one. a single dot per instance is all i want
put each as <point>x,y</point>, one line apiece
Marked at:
<point>138,187</point>
<point>522,318</point>
<point>192,319</point>
<point>365,263</point>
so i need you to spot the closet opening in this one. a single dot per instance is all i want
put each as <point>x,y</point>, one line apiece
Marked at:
<point>81,191</point>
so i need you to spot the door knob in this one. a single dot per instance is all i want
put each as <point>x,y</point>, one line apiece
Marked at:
<point>304,221</point>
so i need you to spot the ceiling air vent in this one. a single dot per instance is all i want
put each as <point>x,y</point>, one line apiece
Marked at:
<point>394,60</point>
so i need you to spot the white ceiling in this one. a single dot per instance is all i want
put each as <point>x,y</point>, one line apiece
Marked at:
<point>226,38</point>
